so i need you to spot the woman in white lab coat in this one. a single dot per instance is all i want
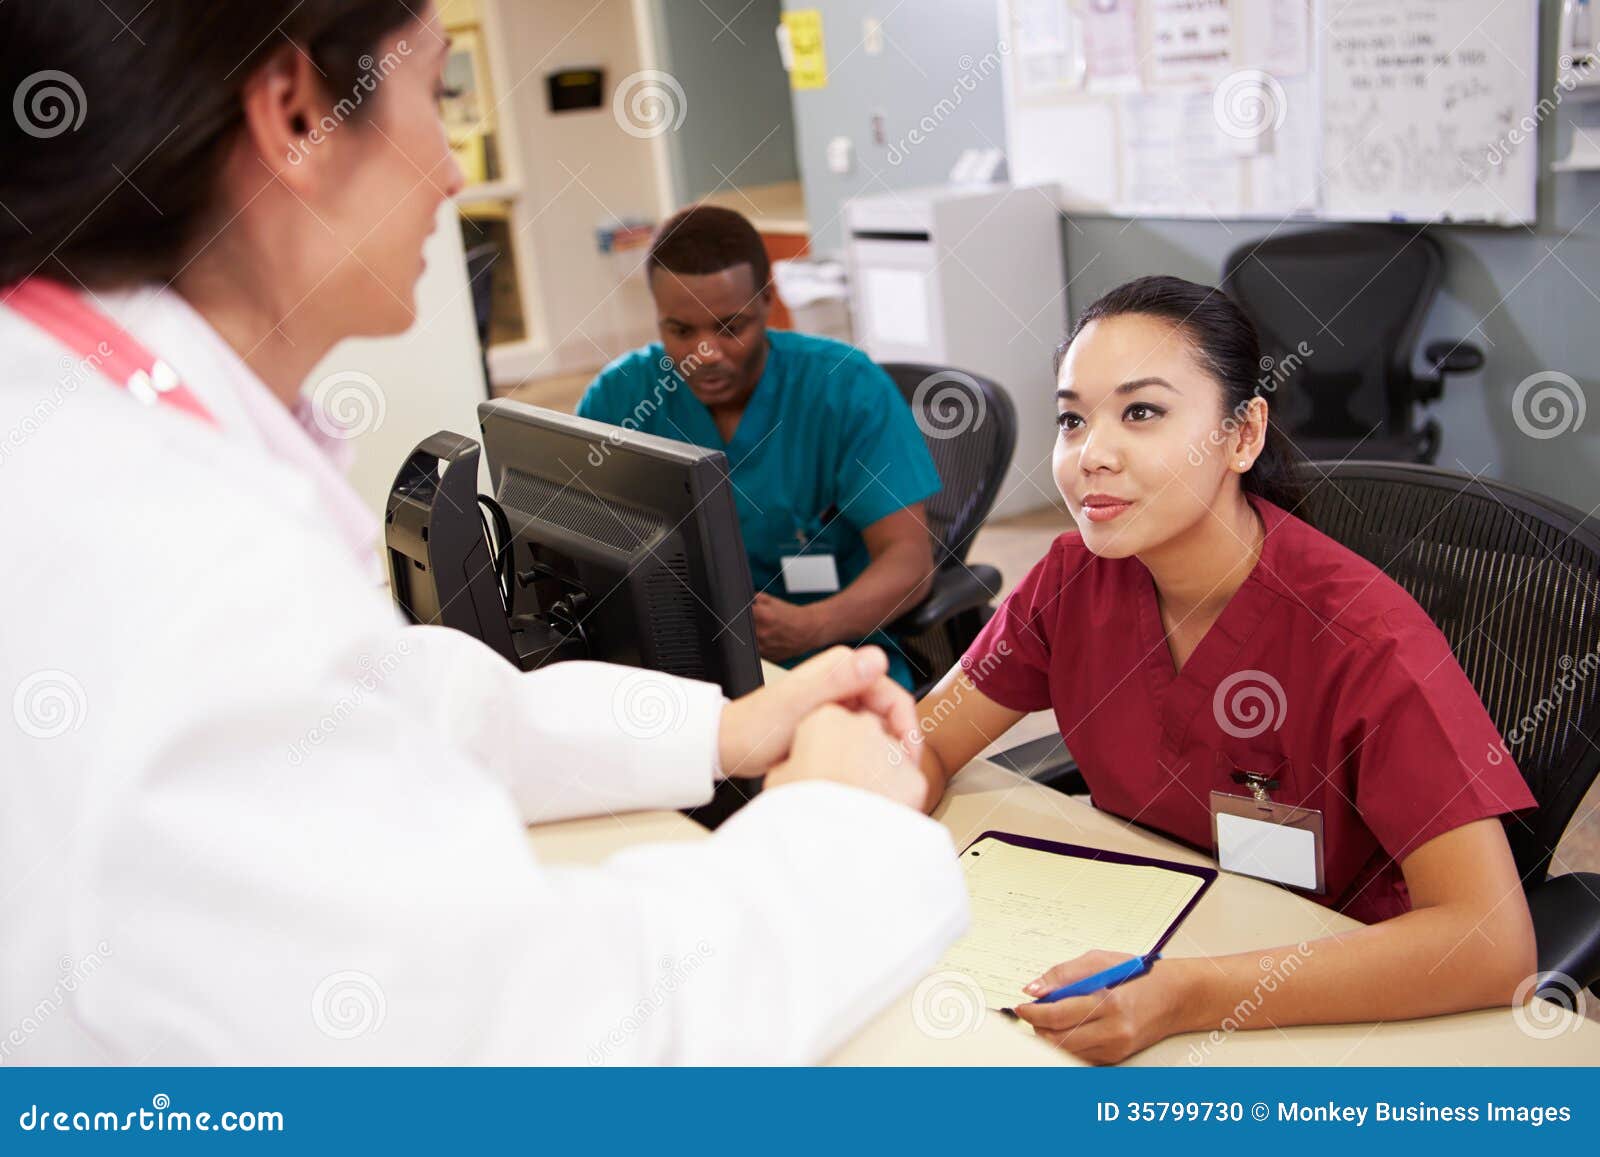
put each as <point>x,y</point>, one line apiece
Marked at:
<point>247,815</point>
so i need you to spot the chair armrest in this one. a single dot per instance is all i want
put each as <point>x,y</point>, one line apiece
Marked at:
<point>1453,357</point>
<point>1047,762</point>
<point>1444,357</point>
<point>1566,926</point>
<point>955,588</point>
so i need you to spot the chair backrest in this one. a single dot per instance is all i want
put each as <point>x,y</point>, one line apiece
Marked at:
<point>970,425</point>
<point>1356,297</point>
<point>1513,580</point>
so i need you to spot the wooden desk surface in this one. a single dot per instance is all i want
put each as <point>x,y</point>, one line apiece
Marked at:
<point>1237,914</point>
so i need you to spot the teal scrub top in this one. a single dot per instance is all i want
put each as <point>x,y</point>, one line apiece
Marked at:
<point>826,446</point>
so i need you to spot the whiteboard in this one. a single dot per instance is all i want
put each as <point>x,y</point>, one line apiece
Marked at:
<point>1409,110</point>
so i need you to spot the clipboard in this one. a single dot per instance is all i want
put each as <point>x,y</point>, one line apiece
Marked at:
<point>1030,915</point>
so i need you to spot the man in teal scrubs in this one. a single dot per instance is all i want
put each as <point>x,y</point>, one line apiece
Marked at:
<point>829,469</point>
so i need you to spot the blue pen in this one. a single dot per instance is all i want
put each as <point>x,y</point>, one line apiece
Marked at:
<point>1106,978</point>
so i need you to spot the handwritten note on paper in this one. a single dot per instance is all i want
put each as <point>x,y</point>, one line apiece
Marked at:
<point>1033,909</point>
<point>809,67</point>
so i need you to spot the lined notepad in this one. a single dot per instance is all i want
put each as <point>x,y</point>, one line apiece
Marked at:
<point>1033,909</point>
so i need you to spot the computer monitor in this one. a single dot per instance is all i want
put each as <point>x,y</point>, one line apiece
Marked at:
<point>620,546</point>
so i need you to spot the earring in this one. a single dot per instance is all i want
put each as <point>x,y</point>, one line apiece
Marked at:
<point>1243,464</point>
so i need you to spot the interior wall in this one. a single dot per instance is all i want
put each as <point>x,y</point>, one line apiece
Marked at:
<point>399,390</point>
<point>738,127</point>
<point>938,66</point>
<point>578,170</point>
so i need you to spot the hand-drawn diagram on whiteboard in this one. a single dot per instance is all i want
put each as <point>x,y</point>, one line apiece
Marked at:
<point>1415,107</point>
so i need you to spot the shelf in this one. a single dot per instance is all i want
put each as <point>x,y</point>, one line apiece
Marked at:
<point>489,191</point>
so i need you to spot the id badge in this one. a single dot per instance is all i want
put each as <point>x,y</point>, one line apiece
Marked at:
<point>810,574</point>
<point>1268,840</point>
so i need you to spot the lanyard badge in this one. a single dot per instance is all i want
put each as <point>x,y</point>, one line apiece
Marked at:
<point>1255,835</point>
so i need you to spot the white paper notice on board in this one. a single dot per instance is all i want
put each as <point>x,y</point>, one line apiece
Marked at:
<point>1284,181</point>
<point>1036,133</point>
<point>1191,41</point>
<point>1049,50</point>
<point>1274,35</point>
<point>1176,160</point>
<point>1111,45</point>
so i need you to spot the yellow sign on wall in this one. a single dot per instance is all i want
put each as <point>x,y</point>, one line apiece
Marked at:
<point>810,64</point>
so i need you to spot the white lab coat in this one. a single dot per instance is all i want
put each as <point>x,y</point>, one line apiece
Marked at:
<point>249,816</point>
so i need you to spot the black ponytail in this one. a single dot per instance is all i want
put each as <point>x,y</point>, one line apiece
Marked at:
<point>1227,345</point>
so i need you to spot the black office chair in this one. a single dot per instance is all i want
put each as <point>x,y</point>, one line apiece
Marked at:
<point>970,425</point>
<point>1513,580</point>
<point>1356,296</point>
<point>480,279</point>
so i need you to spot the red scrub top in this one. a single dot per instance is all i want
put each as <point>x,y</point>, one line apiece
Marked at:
<point>1320,670</point>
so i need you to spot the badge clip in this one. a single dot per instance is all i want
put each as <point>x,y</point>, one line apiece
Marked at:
<point>1258,784</point>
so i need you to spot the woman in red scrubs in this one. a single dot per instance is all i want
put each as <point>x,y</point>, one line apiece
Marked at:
<point>1191,630</point>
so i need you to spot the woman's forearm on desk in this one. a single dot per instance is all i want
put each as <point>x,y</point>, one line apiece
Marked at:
<point>1467,943</point>
<point>1424,963</point>
<point>957,721</point>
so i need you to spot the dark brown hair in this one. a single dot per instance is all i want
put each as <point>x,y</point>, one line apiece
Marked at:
<point>706,239</point>
<point>1225,342</point>
<point>124,112</point>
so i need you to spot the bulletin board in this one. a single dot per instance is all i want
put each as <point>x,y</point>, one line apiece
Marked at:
<point>1344,110</point>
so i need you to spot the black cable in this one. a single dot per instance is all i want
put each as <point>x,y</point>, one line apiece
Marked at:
<point>500,545</point>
